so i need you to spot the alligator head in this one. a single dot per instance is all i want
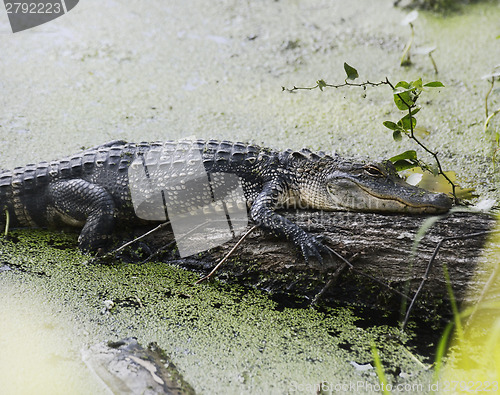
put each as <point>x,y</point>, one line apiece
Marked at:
<point>373,187</point>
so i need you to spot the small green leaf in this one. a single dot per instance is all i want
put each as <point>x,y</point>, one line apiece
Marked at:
<point>402,97</point>
<point>321,84</point>
<point>406,160</point>
<point>403,101</point>
<point>401,165</point>
<point>416,84</point>
<point>434,84</point>
<point>410,155</point>
<point>351,72</point>
<point>391,125</point>
<point>404,122</point>
<point>396,135</point>
<point>403,84</point>
<point>415,110</point>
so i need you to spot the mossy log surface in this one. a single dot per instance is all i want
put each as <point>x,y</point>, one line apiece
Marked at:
<point>378,247</point>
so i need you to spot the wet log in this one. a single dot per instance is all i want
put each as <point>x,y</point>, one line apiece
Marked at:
<point>126,367</point>
<point>379,248</point>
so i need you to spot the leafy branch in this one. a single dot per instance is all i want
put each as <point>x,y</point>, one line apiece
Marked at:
<point>405,95</point>
<point>352,74</point>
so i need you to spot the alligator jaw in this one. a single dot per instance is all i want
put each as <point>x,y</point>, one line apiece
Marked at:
<point>419,201</point>
<point>402,198</point>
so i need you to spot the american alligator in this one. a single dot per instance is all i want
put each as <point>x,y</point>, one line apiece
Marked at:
<point>91,189</point>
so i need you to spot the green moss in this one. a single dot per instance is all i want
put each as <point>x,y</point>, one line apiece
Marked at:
<point>214,332</point>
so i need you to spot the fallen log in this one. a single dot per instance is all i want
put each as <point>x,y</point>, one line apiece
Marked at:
<point>126,367</point>
<point>378,249</point>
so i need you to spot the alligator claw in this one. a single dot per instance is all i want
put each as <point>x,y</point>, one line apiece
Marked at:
<point>312,247</point>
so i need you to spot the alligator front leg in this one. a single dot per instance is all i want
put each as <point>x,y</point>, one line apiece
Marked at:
<point>263,214</point>
<point>77,202</point>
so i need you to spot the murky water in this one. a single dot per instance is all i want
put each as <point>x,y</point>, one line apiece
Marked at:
<point>39,354</point>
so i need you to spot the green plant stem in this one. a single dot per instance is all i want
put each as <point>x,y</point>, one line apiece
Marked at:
<point>441,350</point>
<point>454,308</point>
<point>379,368</point>
<point>7,222</point>
<point>486,98</point>
<point>405,57</point>
<point>435,155</point>
<point>488,119</point>
<point>433,63</point>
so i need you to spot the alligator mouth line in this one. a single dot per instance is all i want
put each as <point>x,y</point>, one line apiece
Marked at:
<point>405,203</point>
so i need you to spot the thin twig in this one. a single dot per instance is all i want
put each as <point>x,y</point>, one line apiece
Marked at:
<point>329,283</point>
<point>163,248</point>
<point>111,253</point>
<point>382,283</point>
<point>346,262</point>
<point>157,252</point>
<point>323,84</point>
<point>227,255</point>
<point>351,267</point>
<point>429,266</point>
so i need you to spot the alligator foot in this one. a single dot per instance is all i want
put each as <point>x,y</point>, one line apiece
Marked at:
<point>77,201</point>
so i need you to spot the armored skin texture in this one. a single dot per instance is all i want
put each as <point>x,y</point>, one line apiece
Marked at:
<point>91,189</point>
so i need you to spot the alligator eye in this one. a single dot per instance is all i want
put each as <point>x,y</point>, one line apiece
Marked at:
<point>373,171</point>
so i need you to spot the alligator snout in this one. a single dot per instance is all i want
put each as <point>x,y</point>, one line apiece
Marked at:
<point>438,202</point>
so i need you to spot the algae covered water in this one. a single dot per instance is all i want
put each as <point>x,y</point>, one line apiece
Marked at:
<point>144,71</point>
